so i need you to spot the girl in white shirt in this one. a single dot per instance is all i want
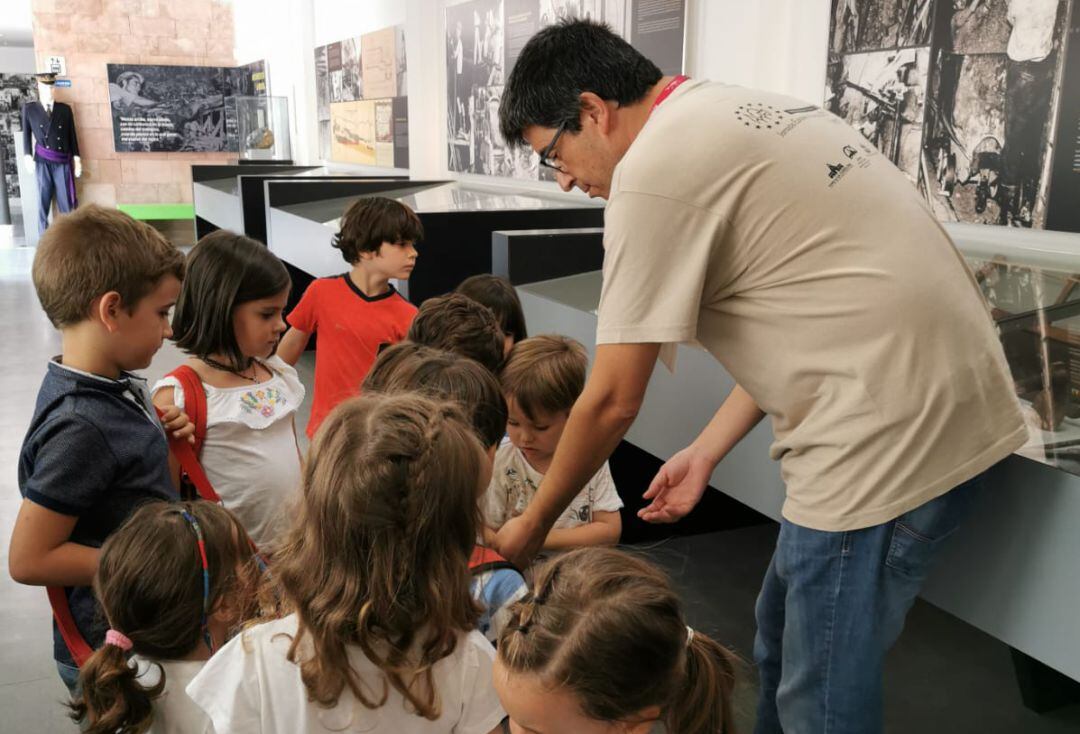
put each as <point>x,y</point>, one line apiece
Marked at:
<point>171,581</point>
<point>379,628</point>
<point>229,319</point>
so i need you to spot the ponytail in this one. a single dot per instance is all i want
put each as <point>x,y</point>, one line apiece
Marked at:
<point>702,704</point>
<point>111,700</point>
<point>591,610</point>
<point>155,589</point>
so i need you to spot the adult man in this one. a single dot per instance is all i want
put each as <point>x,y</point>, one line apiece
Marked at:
<point>773,234</point>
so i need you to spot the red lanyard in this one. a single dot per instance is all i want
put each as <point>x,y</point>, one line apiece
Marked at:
<point>666,91</point>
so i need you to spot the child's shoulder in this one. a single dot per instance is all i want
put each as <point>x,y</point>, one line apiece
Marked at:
<point>81,401</point>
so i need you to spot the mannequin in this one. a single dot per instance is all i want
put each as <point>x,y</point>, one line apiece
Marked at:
<point>55,160</point>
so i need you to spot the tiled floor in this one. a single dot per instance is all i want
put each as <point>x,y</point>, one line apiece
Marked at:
<point>943,677</point>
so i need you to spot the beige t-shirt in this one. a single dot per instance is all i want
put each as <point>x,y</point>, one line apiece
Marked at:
<point>806,263</point>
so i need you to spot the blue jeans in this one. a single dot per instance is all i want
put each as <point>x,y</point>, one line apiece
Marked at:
<point>70,675</point>
<point>831,606</point>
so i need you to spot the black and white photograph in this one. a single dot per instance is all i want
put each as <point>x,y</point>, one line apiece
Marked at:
<point>322,85</point>
<point>484,39</point>
<point>15,91</point>
<point>882,94</point>
<point>963,95</point>
<point>352,87</point>
<point>167,108</point>
<point>475,71</point>
<point>996,87</point>
<point>873,25</point>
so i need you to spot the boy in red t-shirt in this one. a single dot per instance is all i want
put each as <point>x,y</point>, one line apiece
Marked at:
<point>359,311</point>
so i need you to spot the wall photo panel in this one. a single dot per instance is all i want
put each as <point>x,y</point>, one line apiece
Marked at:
<point>483,41</point>
<point>970,98</point>
<point>360,87</point>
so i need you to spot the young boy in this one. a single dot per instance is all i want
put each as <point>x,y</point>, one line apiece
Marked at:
<point>459,324</point>
<point>541,381</point>
<point>409,366</point>
<point>95,449</point>
<point>358,312</point>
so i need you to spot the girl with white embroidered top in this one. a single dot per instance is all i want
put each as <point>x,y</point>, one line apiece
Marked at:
<point>377,631</point>
<point>229,319</point>
<point>172,582</point>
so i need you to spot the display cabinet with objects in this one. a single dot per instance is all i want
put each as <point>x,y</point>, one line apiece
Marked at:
<point>262,128</point>
<point>1010,570</point>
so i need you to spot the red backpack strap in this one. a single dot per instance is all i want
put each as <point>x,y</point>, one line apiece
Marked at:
<point>186,453</point>
<point>76,645</point>
<point>194,401</point>
<point>485,559</point>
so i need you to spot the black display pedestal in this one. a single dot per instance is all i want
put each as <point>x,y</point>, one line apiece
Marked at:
<point>1042,688</point>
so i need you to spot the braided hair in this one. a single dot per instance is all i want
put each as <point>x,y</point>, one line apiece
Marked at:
<point>590,611</point>
<point>377,556</point>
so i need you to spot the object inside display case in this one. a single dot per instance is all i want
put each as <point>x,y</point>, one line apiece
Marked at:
<point>1037,310</point>
<point>263,128</point>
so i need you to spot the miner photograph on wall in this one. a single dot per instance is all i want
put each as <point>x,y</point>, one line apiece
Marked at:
<point>979,81</point>
<point>869,25</point>
<point>475,73</point>
<point>882,94</point>
<point>167,108</point>
<point>996,85</point>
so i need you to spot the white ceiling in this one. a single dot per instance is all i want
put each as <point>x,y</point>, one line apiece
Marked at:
<point>15,24</point>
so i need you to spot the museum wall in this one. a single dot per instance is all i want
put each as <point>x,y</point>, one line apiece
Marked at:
<point>92,33</point>
<point>16,60</point>
<point>778,45</point>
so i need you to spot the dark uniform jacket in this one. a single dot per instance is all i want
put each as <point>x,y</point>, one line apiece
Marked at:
<point>55,132</point>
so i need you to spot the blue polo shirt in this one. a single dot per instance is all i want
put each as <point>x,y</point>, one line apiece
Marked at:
<point>95,450</point>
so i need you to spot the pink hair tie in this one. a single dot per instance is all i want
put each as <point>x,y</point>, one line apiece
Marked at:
<point>112,637</point>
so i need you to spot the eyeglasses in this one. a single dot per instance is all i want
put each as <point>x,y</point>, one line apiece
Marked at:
<point>545,155</point>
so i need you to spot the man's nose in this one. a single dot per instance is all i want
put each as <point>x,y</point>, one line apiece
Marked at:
<point>565,180</point>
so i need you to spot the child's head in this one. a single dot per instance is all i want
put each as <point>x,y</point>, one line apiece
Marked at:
<point>150,583</point>
<point>501,297</point>
<point>460,325</point>
<point>541,381</point>
<point>380,234</point>
<point>232,301</point>
<point>377,555</point>
<point>408,366</point>
<point>100,266</point>
<point>600,644</point>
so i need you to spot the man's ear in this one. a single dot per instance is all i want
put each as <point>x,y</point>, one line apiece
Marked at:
<point>595,109</point>
<point>107,309</point>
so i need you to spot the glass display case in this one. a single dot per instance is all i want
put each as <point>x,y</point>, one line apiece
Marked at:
<point>1036,304</point>
<point>262,128</point>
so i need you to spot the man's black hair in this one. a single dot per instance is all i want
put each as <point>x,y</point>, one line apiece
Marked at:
<point>558,64</point>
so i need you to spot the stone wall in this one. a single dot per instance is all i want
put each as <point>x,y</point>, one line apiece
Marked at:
<point>92,33</point>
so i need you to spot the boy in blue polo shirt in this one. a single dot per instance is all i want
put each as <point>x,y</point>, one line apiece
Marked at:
<point>95,449</point>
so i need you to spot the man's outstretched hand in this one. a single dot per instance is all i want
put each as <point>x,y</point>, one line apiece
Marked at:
<point>678,486</point>
<point>520,539</point>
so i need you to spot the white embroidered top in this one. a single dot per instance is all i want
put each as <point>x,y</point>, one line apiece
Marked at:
<point>250,454</point>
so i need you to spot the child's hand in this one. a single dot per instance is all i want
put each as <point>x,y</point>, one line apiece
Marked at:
<point>177,424</point>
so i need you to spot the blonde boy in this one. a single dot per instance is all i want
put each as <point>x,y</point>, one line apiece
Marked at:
<point>541,380</point>
<point>95,449</point>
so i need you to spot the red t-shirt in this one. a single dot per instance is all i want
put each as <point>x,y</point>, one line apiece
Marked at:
<point>351,327</point>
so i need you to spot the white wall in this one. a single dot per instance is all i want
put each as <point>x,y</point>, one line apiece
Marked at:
<point>17,60</point>
<point>779,45</point>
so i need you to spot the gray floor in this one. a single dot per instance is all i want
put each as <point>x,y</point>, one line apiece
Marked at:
<point>944,676</point>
